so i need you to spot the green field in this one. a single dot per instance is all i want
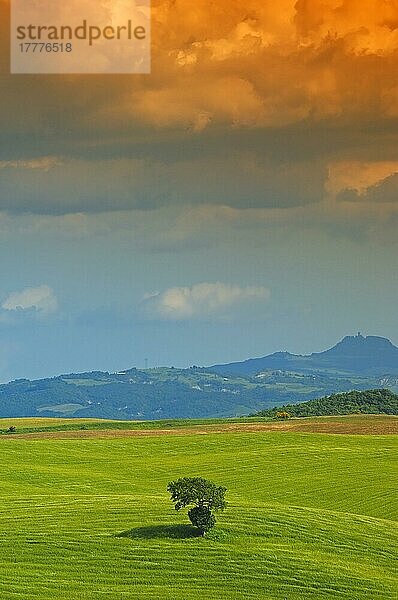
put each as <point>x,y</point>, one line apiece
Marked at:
<point>310,516</point>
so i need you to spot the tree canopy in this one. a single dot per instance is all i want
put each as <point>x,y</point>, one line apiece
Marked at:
<point>379,401</point>
<point>204,496</point>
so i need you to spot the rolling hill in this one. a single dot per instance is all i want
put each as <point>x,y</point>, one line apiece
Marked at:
<point>309,517</point>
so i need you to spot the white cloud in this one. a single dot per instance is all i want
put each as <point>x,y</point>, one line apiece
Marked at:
<point>41,299</point>
<point>201,300</point>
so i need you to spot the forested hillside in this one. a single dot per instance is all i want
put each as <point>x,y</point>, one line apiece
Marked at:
<point>367,402</point>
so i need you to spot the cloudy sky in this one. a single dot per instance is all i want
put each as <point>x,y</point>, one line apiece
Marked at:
<point>241,199</point>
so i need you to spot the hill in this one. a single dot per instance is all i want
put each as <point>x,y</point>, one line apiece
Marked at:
<point>169,393</point>
<point>367,402</point>
<point>371,355</point>
<point>224,391</point>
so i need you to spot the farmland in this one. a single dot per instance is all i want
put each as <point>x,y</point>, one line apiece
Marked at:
<point>311,515</point>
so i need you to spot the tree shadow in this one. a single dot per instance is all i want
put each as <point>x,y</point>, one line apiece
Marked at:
<point>160,531</point>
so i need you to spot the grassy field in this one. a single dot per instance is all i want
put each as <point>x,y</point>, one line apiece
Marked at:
<point>310,516</point>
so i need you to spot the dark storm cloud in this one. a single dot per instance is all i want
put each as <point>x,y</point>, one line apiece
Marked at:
<point>52,185</point>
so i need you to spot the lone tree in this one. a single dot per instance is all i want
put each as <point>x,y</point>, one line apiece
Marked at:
<point>204,495</point>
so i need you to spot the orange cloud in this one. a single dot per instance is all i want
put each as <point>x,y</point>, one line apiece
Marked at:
<point>227,100</point>
<point>365,26</point>
<point>325,68</point>
<point>43,163</point>
<point>311,59</point>
<point>240,64</point>
<point>358,176</point>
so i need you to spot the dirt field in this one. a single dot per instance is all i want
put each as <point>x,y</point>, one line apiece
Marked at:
<point>354,425</point>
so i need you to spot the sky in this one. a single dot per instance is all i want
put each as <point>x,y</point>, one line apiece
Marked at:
<point>239,200</point>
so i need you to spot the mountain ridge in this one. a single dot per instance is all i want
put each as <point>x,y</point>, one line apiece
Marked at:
<point>230,390</point>
<point>374,355</point>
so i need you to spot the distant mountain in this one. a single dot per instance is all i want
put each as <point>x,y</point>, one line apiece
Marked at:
<point>366,402</point>
<point>220,391</point>
<point>371,356</point>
